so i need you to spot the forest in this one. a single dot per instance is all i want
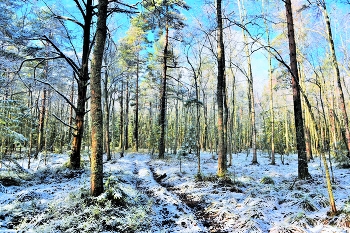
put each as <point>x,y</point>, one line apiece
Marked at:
<point>174,116</point>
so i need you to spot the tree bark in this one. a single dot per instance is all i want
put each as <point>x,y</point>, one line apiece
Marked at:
<point>30,106</point>
<point>232,120</point>
<point>162,117</point>
<point>286,132</point>
<point>106,114</point>
<point>96,108</point>
<point>308,143</point>
<point>205,116</point>
<point>46,125</point>
<point>251,104</point>
<point>121,121</point>
<point>82,89</point>
<point>126,117</point>
<point>303,172</point>
<point>70,121</point>
<point>222,126</point>
<point>41,123</point>
<point>198,123</point>
<point>136,120</point>
<point>176,122</point>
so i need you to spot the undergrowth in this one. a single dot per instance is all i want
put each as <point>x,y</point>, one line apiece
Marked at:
<point>121,208</point>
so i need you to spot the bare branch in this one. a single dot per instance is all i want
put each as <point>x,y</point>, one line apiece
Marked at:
<point>123,4</point>
<point>59,93</point>
<point>70,19</point>
<point>35,59</point>
<point>69,61</point>
<point>80,8</point>
<point>60,120</point>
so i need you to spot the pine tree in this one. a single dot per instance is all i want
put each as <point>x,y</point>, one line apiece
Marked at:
<point>96,108</point>
<point>303,172</point>
<point>164,16</point>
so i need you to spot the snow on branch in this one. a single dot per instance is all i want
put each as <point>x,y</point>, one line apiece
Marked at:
<point>69,19</point>
<point>42,59</point>
<point>118,9</point>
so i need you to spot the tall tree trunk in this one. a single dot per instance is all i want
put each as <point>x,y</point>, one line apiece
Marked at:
<point>121,121</point>
<point>30,106</point>
<point>309,118</point>
<point>176,122</point>
<point>324,147</point>
<point>136,120</point>
<point>113,123</point>
<point>286,132</point>
<point>272,115</point>
<point>240,129</point>
<point>337,78</point>
<point>151,137</point>
<point>333,129</point>
<point>222,126</point>
<point>197,118</point>
<point>41,123</point>
<point>46,127</point>
<point>198,129</point>
<point>214,129</point>
<point>106,114</point>
<point>205,115</point>
<point>231,143</point>
<point>250,87</point>
<point>162,117</point>
<point>87,130</point>
<point>252,105</point>
<point>62,128</point>
<point>96,108</point>
<point>308,143</point>
<point>303,172</point>
<point>70,121</point>
<point>43,111</point>
<point>83,81</point>
<point>126,117</point>
<point>230,138</point>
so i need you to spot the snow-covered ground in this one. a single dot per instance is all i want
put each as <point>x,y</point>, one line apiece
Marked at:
<point>149,195</point>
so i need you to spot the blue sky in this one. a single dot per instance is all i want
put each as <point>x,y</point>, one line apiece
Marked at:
<point>120,22</point>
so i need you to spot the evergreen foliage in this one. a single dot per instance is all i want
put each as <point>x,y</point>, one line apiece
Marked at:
<point>14,120</point>
<point>189,144</point>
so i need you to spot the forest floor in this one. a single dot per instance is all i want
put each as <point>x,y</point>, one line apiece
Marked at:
<point>144,194</point>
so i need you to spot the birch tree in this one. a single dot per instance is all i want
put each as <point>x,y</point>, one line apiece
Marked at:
<point>164,16</point>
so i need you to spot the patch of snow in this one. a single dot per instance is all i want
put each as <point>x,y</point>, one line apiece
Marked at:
<point>163,199</point>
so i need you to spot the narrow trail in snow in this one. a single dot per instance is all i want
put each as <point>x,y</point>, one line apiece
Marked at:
<point>196,207</point>
<point>171,214</point>
<point>207,219</point>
